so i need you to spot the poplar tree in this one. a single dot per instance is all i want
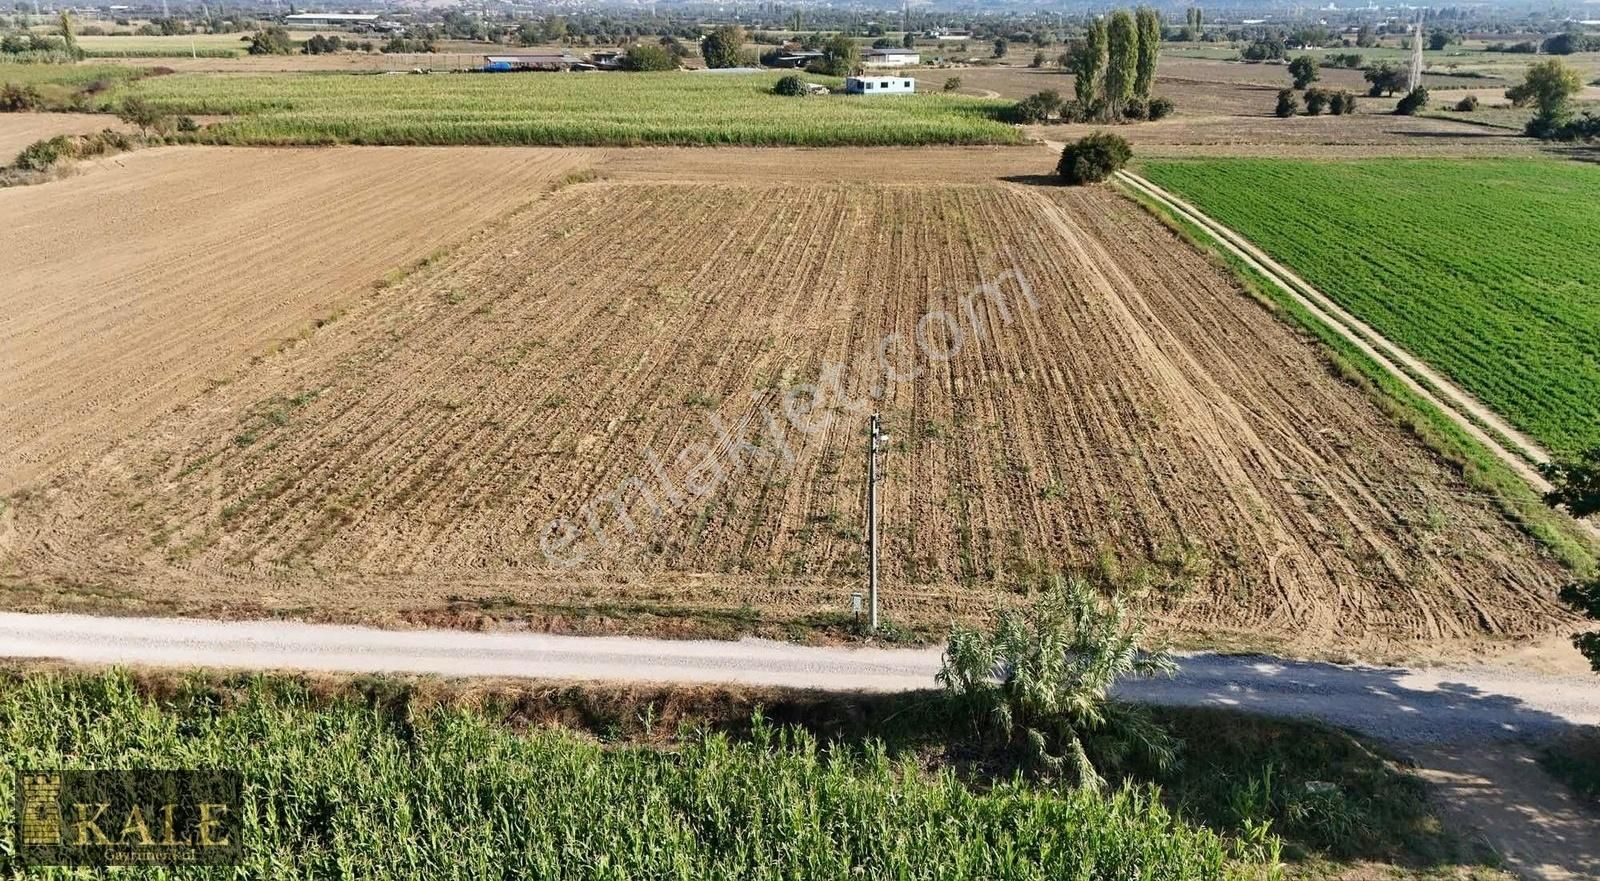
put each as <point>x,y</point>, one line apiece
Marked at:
<point>1090,66</point>
<point>1149,23</point>
<point>1122,67</point>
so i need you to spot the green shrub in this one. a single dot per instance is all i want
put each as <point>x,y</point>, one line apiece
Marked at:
<point>46,154</point>
<point>1288,103</point>
<point>18,98</point>
<point>271,41</point>
<point>42,155</point>
<point>1317,100</point>
<point>1304,71</point>
<point>1467,104</point>
<point>1414,102</point>
<point>791,85</point>
<point>1093,158</point>
<point>1038,107</point>
<point>1041,677</point>
<point>648,57</point>
<point>1161,108</point>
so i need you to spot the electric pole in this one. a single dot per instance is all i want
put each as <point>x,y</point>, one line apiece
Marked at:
<point>877,445</point>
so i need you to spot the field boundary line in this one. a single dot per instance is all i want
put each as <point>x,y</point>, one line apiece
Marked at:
<point>1368,342</point>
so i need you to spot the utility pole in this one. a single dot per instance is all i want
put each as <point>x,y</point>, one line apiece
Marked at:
<point>877,445</point>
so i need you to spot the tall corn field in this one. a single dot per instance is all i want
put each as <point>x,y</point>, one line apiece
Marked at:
<point>562,109</point>
<point>343,791</point>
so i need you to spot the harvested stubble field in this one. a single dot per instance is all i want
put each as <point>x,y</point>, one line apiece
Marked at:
<point>144,284</point>
<point>1484,268</point>
<point>1145,421</point>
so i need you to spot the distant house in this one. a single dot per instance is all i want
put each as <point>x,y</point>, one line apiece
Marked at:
<point>879,85</point>
<point>535,61</point>
<point>329,20</point>
<point>889,58</point>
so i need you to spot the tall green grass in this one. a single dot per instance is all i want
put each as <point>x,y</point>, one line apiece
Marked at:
<point>1489,269</point>
<point>563,109</point>
<point>344,790</point>
<point>74,75</point>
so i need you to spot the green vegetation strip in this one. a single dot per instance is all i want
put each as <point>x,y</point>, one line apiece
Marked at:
<point>353,789</point>
<point>566,109</point>
<point>67,75</point>
<point>1487,269</point>
<point>1478,466</point>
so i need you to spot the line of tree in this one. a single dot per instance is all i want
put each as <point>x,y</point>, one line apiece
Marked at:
<point>1194,24</point>
<point>1115,64</point>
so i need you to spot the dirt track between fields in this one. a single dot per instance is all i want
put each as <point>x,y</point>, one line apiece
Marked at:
<point>1147,423</point>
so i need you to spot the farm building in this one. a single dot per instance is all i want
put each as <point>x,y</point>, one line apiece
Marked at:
<point>796,59</point>
<point>535,61</point>
<point>879,85</point>
<point>889,58</point>
<point>328,20</point>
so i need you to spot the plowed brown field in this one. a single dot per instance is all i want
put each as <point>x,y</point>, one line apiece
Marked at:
<point>134,288</point>
<point>614,347</point>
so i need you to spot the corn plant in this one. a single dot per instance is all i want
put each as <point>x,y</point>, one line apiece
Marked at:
<point>373,790</point>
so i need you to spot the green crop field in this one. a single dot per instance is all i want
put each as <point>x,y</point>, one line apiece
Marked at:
<point>1488,269</point>
<point>575,109</point>
<point>350,791</point>
<point>66,75</point>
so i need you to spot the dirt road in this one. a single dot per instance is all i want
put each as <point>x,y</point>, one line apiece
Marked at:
<point>1441,705</point>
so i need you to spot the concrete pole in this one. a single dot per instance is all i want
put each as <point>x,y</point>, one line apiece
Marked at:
<point>872,525</point>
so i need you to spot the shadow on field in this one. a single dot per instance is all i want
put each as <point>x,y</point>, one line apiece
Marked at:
<point>1033,180</point>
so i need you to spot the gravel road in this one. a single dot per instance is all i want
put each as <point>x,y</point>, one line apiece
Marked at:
<point>1438,705</point>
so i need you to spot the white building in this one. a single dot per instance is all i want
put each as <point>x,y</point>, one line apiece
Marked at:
<point>879,85</point>
<point>889,58</point>
<point>327,19</point>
